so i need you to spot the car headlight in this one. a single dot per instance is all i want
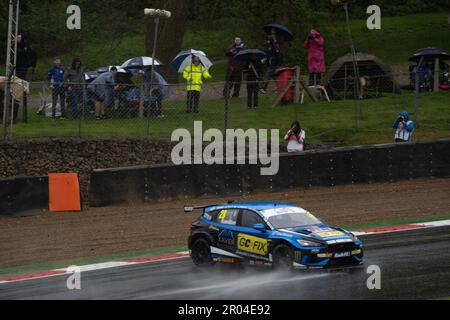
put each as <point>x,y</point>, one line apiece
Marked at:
<point>307,243</point>
<point>354,238</point>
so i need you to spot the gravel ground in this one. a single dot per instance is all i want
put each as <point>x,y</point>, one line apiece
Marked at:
<point>100,231</point>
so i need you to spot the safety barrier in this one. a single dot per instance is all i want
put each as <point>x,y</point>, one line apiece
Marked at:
<point>23,194</point>
<point>380,163</point>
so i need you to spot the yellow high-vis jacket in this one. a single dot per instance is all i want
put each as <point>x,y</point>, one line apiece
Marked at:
<point>194,76</point>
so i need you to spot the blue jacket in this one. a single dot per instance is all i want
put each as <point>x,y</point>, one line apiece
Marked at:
<point>57,74</point>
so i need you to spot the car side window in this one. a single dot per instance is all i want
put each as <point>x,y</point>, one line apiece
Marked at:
<point>250,218</point>
<point>211,216</point>
<point>228,217</point>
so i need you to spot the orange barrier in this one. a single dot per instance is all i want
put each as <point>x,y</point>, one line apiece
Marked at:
<point>64,192</point>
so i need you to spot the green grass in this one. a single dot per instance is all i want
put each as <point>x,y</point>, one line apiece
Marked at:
<point>399,38</point>
<point>7,272</point>
<point>334,123</point>
<point>381,224</point>
<point>11,271</point>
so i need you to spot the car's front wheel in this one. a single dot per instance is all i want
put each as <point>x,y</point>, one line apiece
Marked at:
<point>283,257</point>
<point>201,253</point>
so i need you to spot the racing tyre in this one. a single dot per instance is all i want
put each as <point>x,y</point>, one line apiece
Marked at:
<point>283,257</point>
<point>201,253</point>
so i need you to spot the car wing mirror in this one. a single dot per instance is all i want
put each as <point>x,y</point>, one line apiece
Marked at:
<point>260,227</point>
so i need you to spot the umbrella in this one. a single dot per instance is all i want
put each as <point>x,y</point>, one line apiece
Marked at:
<point>184,59</point>
<point>107,69</point>
<point>140,62</point>
<point>280,30</point>
<point>430,53</point>
<point>91,75</point>
<point>246,54</point>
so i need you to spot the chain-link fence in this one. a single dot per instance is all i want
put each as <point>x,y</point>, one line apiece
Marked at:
<point>336,111</point>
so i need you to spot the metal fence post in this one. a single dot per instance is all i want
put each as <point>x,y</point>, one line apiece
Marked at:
<point>417,99</point>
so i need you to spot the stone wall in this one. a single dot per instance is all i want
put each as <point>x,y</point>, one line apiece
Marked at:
<point>40,157</point>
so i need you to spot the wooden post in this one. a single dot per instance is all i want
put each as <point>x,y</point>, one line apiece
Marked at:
<point>297,85</point>
<point>437,73</point>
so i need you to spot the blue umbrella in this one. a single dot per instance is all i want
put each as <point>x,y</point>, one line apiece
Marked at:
<point>184,59</point>
<point>247,54</point>
<point>280,30</point>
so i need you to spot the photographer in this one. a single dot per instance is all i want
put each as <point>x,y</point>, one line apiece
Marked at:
<point>315,44</point>
<point>404,128</point>
<point>295,138</point>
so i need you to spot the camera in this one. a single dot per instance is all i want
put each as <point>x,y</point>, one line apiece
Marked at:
<point>401,119</point>
<point>311,37</point>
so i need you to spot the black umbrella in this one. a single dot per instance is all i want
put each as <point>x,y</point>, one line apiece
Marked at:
<point>280,30</point>
<point>248,53</point>
<point>430,53</point>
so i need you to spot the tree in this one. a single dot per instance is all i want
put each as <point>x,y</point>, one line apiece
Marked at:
<point>170,35</point>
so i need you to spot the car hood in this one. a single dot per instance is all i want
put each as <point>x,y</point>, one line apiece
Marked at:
<point>323,232</point>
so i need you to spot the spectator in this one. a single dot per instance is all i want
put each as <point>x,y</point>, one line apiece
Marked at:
<point>296,138</point>
<point>194,75</point>
<point>98,91</point>
<point>404,128</point>
<point>253,70</point>
<point>160,91</point>
<point>315,44</point>
<point>274,60</point>
<point>234,70</point>
<point>26,58</point>
<point>364,82</point>
<point>55,79</point>
<point>74,81</point>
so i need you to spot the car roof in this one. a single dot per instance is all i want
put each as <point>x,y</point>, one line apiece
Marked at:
<point>256,206</point>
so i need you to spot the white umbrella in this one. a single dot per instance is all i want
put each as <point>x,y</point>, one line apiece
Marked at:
<point>140,62</point>
<point>184,59</point>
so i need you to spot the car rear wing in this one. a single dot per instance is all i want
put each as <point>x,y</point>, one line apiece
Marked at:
<point>189,208</point>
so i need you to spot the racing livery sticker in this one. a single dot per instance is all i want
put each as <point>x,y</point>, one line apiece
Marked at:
<point>252,244</point>
<point>326,232</point>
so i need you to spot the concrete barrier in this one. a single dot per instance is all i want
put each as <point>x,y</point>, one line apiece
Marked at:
<point>23,194</point>
<point>369,164</point>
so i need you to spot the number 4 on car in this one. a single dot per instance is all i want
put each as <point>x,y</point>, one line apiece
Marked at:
<point>269,234</point>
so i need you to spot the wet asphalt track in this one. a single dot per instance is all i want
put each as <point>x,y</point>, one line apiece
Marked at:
<point>414,265</point>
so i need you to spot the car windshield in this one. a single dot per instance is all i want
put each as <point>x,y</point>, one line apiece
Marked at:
<point>290,217</point>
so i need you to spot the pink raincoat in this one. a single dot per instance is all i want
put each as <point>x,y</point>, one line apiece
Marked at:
<point>316,53</point>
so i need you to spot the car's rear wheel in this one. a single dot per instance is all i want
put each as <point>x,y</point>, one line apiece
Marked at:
<point>201,253</point>
<point>283,257</point>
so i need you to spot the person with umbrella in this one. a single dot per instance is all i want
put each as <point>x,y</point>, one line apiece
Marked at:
<point>234,69</point>
<point>315,44</point>
<point>252,59</point>
<point>194,75</point>
<point>276,37</point>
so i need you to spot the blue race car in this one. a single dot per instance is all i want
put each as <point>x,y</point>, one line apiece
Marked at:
<point>271,234</point>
